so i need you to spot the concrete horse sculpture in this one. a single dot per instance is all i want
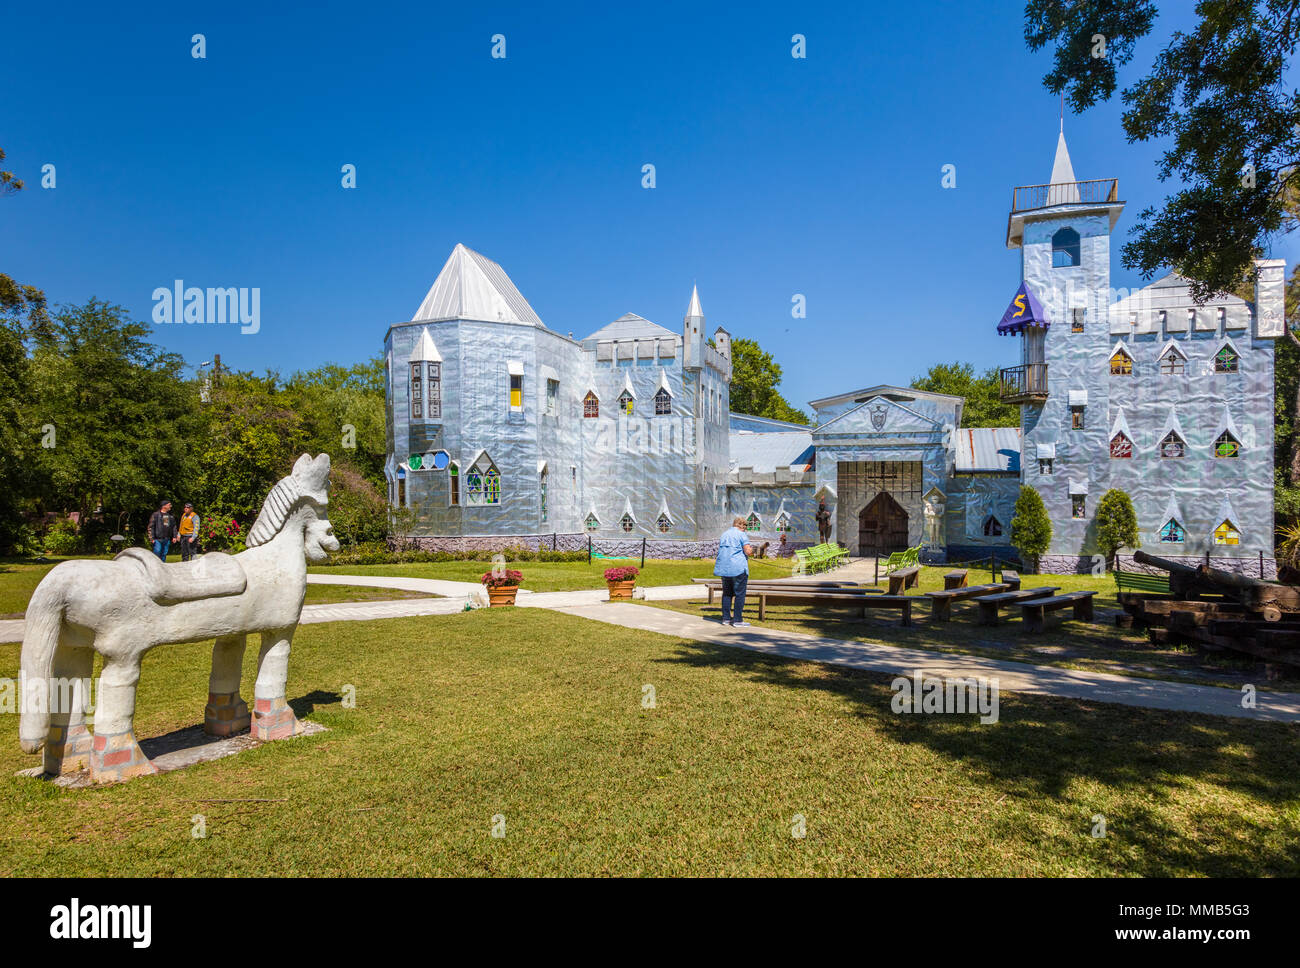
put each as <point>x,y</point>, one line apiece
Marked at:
<point>125,607</point>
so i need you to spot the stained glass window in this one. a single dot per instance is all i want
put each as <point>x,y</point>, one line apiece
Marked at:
<point>1076,418</point>
<point>492,487</point>
<point>1077,508</point>
<point>590,405</point>
<point>783,523</point>
<point>483,483</point>
<point>627,523</point>
<point>1173,532</point>
<point>752,523</point>
<point>1225,361</point>
<point>516,391</point>
<point>626,403</point>
<point>663,403</point>
<point>542,493</point>
<point>992,527</point>
<point>1227,534</point>
<point>664,524</point>
<point>1121,448</point>
<point>593,523</point>
<point>453,479</point>
<point>1226,446</point>
<point>1121,364</point>
<point>1173,446</point>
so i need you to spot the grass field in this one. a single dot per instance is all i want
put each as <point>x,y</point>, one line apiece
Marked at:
<point>562,576</point>
<point>538,717</point>
<point>1097,647</point>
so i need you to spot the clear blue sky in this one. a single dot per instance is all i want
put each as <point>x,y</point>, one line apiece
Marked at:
<point>775,175</point>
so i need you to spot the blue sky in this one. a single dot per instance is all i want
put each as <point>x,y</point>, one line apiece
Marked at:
<point>775,176</point>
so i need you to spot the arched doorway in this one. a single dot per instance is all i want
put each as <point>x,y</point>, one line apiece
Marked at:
<point>882,526</point>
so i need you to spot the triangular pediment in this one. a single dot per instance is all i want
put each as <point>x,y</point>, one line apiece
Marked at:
<point>880,416</point>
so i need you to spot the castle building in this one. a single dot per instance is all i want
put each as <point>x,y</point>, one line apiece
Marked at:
<point>504,432</point>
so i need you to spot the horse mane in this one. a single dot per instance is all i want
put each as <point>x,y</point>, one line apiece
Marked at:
<point>287,495</point>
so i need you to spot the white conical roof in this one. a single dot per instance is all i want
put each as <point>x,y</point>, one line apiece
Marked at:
<point>425,350</point>
<point>472,286</point>
<point>694,308</point>
<point>1066,190</point>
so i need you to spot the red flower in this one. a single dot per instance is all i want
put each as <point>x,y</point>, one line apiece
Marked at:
<point>625,573</point>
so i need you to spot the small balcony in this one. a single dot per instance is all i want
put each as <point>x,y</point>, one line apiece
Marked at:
<point>1100,191</point>
<point>1026,383</point>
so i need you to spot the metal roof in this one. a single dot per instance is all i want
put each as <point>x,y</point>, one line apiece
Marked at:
<point>766,452</point>
<point>988,449</point>
<point>632,326</point>
<point>472,286</point>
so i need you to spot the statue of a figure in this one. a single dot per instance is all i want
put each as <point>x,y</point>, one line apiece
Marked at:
<point>934,522</point>
<point>125,607</point>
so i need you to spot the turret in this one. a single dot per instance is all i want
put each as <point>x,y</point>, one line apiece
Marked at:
<point>693,333</point>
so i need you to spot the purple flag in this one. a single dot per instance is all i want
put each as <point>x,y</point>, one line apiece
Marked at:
<point>1025,310</point>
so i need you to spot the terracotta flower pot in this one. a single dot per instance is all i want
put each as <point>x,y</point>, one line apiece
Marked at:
<point>502,594</point>
<point>621,591</point>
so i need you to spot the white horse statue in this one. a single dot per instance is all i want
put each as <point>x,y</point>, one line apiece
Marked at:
<point>125,607</point>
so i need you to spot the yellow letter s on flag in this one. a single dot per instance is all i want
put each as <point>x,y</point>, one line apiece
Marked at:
<point>1019,302</point>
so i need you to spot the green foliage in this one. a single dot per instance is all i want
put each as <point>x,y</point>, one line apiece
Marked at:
<point>1219,93</point>
<point>329,400</point>
<point>754,379</point>
<point>358,511</point>
<point>984,406</point>
<point>1031,528</point>
<point>222,531</point>
<point>1117,524</point>
<point>379,553</point>
<point>62,538</point>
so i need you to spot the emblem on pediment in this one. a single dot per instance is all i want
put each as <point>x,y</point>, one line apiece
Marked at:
<point>878,414</point>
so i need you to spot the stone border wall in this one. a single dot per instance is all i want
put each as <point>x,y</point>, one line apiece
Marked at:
<point>576,541</point>
<point>1083,565</point>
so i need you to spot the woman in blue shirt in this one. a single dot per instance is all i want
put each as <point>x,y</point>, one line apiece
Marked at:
<point>732,567</point>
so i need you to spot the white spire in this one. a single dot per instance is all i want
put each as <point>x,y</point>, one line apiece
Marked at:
<point>694,309</point>
<point>1062,174</point>
<point>425,349</point>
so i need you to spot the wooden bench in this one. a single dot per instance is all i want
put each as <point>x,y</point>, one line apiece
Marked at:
<point>861,599</point>
<point>989,604</point>
<point>941,602</point>
<point>1034,611</point>
<point>955,579</point>
<point>903,578</point>
<point>1011,579</point>
<point>714,585</point>
<point>1136,582</point>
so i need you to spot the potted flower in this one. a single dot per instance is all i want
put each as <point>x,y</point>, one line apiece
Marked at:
<point>502,586</point>
<point>621,581</point>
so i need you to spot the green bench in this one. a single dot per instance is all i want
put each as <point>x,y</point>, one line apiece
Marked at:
<point>1136,582</point>
<point>820,557</point>
<point>903,559</point>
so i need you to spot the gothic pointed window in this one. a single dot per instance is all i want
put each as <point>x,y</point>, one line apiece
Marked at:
<point>1172,363</point>
<point>663,403</point>
<point>1065,248</point>
<point>483,483</point>
<point>1226,360</point>
<point>992,527</point>
<point>1173,532</point>
<point>627,523</point>
<point>1173,446</point>
<point>1227,534</point>
<point>1121,448</point>
<point>592,523</point>
<point>664,524</point>
<point>1121,363</point>
<point>590,405</point>
<point>783,523</point>
<point>626,403</point>
<point>1227,446</point>
<point>752,523</point>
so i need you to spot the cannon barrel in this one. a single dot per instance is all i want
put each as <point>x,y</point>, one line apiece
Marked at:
<point>1173,567</point>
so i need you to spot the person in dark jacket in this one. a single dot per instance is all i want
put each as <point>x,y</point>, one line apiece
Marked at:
<point>823,522</point>
<point>162,529</point>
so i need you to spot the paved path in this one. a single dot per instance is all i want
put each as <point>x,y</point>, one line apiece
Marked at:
<point>1011,676</point>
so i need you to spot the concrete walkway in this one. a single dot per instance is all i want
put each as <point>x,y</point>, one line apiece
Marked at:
<point>1011,676</point>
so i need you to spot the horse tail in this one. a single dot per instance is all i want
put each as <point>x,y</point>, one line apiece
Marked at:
<point>44,622</point>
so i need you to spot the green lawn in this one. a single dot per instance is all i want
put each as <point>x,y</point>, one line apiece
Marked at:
<point>537,716</point>
<point>561,576</point>
<point>1096,647</point>
<point>327,594</point>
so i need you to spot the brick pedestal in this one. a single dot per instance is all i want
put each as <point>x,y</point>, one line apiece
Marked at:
<point>273,719</point>
<point>68,749</point>
<point>225,715</point>
<point>117,756</point>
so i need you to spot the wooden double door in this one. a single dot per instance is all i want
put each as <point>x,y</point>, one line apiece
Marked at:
<point>882,526</point>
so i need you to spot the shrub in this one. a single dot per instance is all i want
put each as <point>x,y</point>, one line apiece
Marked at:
<point>502,579</point>
<point>219,531</point>
<point>624,573</point>
<point>378,553</point>
<point>357,511</point>
<point>1117,524</point>
<point>62,538</point>
<point>1031,528</point>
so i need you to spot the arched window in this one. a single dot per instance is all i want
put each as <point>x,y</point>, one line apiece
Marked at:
<point>626,523</point>
<point>453,485</point>
<point>992,527</point>
<point>483,482</point>
<point>1121,363</point>
<point>1173,532</point>
<point>626,402</point>
<point>541,490</point>
<point>1227,534</point>
<point>1121,448</point>
<point>663,403</point>
<point>590,405</point>
<point>1065,248</point>
<point>1173,446</point>
<point>1227,446</point>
